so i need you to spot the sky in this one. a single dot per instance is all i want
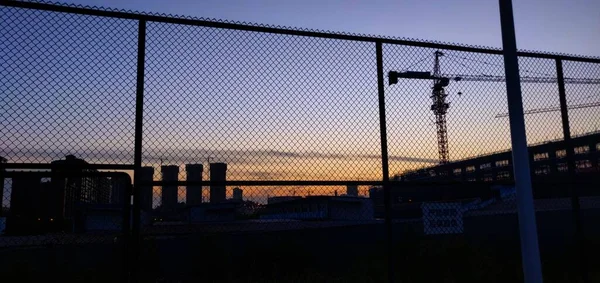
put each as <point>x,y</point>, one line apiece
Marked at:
<point>567,26</point>
<point>276,106</point>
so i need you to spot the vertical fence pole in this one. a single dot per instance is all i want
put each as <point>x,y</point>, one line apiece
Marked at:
<point>384,162</point>
<point>126,229</point>
<point>139,114</point>
<point>1,183</point>
<point>530,252</point>
<point>564,112</point>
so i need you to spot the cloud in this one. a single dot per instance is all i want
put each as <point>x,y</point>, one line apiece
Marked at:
<point>182,156</point>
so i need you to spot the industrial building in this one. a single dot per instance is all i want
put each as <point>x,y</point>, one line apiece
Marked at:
<point>212,212</point>
<point>320,208</point>
<point>547,160</point>
<point>478,178</point>
<point>76,189</point>
<point>274,200</point>
<point>38,206</point>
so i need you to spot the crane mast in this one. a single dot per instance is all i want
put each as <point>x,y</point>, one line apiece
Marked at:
<point>440,108</point>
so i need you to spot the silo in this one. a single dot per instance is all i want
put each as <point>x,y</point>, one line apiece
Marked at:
<point>170,173</point>
<point>352,190</point>
<point>193,193</point>
<point>218,173</point>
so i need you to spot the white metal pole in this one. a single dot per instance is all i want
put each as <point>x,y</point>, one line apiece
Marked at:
<point>532,268</point>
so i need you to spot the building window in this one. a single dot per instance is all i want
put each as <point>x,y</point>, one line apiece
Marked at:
<point>470,168</point>
<point>457,171</point>
<point>561,153</point>
<point>502,163</point>
<point>582,149</point>
<point>540,156</point>
<point>502,175</point>
<point>485,166</point>
<point>488,178</point>
<point>583,164</point>
<point>562,167</point>
<point>542,170</point>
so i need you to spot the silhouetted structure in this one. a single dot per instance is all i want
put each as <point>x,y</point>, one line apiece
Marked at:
<point>71,189</point>
<point>352,190</point>
<point>58,205</point>
<point>218,173</point>
<point>193,193</point>
<point>146,191</point>
<point>321,208</point>
<point>26,206</point>
<point>117,191</point>
<point>212,212</point>
<point>548,160</point>
<point>274,200</point>
<point>170,173</point>
<point>478,177</point>
<point>238,194</point>
<point>407,199</point>
<point>2,162</point>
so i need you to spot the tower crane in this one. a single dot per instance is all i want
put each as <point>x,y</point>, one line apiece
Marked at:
<point>440,105</point>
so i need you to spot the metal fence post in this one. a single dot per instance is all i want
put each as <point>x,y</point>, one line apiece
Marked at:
<point>530,252</point>
<point>564,112</point>
<point>2,161</point>
<point>384,161</point>
<point>139,113</point>
<point>126,198</point>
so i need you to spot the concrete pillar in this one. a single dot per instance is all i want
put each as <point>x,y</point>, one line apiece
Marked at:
<point>193,193</point>
<point>218,173</point>
<point>238,194</point>
<point>352,190</point>
<point>170,173</point>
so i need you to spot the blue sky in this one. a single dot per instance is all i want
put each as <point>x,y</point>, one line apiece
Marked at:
<point>570,26</point>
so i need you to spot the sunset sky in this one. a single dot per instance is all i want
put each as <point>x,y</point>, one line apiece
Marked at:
<point>276,106</point>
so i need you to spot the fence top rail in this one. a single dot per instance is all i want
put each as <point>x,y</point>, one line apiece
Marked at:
<point>216,23</point>
<point>97,166</point>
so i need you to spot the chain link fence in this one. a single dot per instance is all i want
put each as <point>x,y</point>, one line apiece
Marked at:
<point>266,151</point>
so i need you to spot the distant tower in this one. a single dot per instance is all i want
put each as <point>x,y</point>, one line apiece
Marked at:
<point>352,190</point>
<point>170,173</point>
<point>146,192</point>
<point>218,173</point>
<point>238,194</point>
<point>193,193</point>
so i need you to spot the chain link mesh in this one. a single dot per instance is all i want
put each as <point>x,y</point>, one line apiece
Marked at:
<point>257,140</point>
